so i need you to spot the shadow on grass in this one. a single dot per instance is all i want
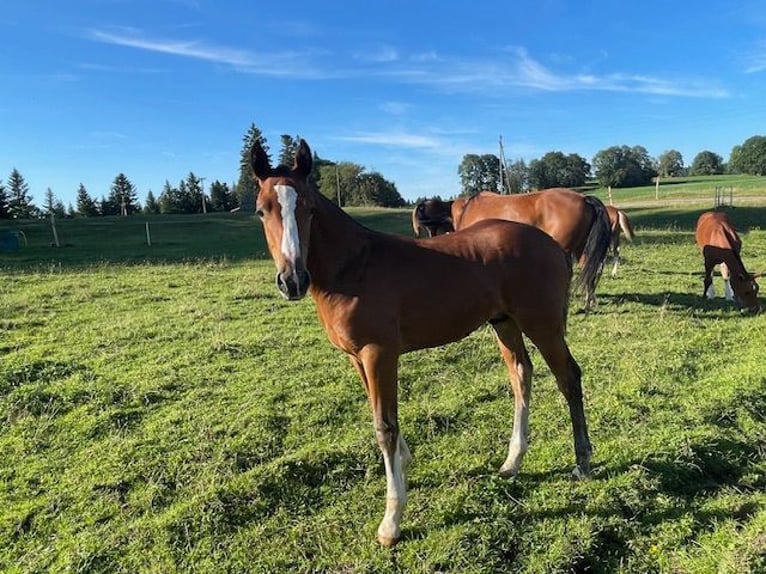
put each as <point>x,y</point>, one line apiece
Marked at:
<point>744,218</point>
<point>675,300</point>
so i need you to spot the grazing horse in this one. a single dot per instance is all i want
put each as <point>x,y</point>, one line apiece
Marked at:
<point>433,215</point>
<point>618,222</point>
<point>720,245</point>
<point>579,223</point>
<point>380,295</point>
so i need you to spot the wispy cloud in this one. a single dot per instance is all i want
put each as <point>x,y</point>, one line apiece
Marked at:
<point>395,108</point>
<point>756,61</point>
<point>394,139</point>
<point>512,69</point>
<point>377,55</point>
<point>520,70</point>
<point>285,64</point>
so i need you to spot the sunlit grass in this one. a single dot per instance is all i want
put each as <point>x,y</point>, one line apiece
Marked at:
<point>168,413</point>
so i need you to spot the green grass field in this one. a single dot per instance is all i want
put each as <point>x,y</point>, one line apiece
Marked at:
<point>162,409</point>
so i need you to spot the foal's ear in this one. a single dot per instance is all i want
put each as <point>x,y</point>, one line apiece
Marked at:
<point>303,159</point>
<point>259,161</point>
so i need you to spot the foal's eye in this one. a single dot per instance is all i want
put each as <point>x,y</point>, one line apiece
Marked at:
<point>259,213</point>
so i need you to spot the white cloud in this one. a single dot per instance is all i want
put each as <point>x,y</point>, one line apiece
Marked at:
<point>285,64</point>
<point>378,55</point>
<point>513,70</point>
<point>396,139</point>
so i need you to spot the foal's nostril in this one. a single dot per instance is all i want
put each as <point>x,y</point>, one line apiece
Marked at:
<point>293,285</point>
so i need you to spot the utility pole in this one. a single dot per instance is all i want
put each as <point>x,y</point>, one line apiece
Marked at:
<point>503,171</point>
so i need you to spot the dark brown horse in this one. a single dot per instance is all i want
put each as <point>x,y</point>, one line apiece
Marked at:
<point>720,245</point>
<point>619,223</point>
<point>379,296</point>
<point>579,223</point>
<point>433,215</point>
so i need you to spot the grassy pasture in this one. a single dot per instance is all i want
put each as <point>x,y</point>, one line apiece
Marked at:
<point>163,410</point>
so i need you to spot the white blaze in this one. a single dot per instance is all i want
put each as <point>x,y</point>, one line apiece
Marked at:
<point>291,246</point>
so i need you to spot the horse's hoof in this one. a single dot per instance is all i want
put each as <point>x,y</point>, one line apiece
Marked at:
<point>508,472</point>
<point>386,541</point>
<point>578,474</point>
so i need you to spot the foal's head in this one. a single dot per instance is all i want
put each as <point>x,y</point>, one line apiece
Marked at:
<point>285,206</point>
<point>746,291</point>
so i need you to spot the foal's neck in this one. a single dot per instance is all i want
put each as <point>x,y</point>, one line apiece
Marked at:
<point>336,247</point>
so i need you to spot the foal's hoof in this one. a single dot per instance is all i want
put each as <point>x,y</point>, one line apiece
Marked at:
<point>508,471</point>
<point>579,474</point>
<point>387,541</point>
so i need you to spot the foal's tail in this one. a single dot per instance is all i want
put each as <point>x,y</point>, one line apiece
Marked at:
<point>596,248</point>
<point>625,225</point>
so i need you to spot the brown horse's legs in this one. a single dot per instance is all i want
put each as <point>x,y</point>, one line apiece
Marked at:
<point>378,369</point>
<point>728,293</point>
<point>616,250</point>
<point>707,287</point>
<point>568,377</point>
<point>516,358</point>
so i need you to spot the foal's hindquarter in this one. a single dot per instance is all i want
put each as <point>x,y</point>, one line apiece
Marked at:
<point>412,294</point>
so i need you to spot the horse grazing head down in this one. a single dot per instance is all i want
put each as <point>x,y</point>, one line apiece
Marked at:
<point>285,206</point>
<point>434,215</point>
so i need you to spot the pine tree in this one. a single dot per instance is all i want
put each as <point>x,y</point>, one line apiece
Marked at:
<point>168,199</point>
<point>86,206</point>
<point>247,187</point>
<point>19,201</point>
<point>221,198</point>
<point>123,196</point>
<point>193,197</point>
<point>287,153</point>
<point>50,202</point>
<point>4,213</point>
<point>151,205</point>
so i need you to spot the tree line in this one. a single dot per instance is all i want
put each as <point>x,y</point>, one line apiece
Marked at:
<point>616,166</point>
<point>344,182</point>
<point>350,184</point>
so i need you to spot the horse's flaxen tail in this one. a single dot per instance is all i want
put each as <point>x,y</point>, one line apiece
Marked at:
<point>625,225</point>
<point>596,248</point>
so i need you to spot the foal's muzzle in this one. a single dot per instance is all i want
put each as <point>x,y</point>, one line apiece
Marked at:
<point>293,284</point>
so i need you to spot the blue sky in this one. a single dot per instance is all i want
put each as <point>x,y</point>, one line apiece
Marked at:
<point>158,88</point>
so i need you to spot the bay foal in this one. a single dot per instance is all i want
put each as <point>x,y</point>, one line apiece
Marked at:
<point>379,296</point>
<point>720,245</point>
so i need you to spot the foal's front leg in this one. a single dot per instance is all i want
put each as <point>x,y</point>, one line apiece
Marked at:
<point>378,369</point>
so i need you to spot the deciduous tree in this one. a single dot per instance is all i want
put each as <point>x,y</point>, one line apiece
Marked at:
<point>750,157</point>
<point>479,173</point>
<point>707,163</point>
<point>670,163</point>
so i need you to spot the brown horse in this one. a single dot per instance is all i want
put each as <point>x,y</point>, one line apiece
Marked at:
<point>579,223</point>
<point>720,245</point>
<point>379,296</point>
<point>618,222</point>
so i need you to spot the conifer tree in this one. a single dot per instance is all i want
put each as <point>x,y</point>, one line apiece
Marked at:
<point>4,213</point>
<point>247,187</point>
<point>19,200</point>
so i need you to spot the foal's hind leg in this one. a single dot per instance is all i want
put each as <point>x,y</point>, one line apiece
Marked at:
<point>616,251</point>
<point>516,358</point>
<point>554,349</point>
